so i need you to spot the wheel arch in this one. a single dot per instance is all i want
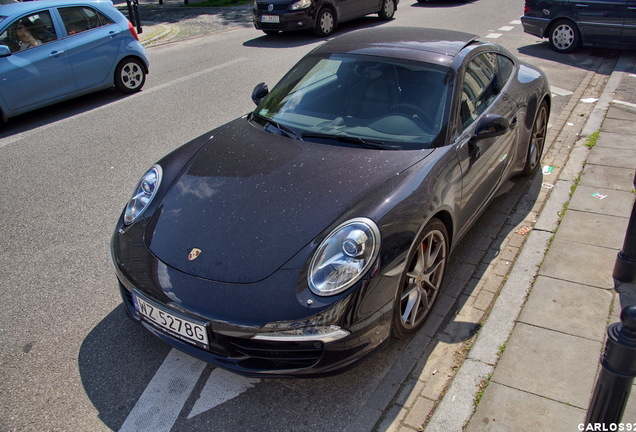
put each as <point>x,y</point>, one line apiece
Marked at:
<point>445,217</point>
<point>550,26</point>
<point>132,56</point>
<point>334,9</point>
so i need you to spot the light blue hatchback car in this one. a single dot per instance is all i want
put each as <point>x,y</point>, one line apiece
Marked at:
<point>52,50</point>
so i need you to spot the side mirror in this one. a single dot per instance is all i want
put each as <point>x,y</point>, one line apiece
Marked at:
<point>260,91</point>
<point>4,51</point>
<point>491,126</point>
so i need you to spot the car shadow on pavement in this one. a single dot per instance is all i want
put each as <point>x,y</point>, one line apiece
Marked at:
<point>115,362</point>
<point>306,37</point>
<point>442,3</point>
<point>584,58</point>
<point>59,111</point>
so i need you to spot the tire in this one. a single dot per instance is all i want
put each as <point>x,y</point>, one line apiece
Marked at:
<point>325,22</point>
<point>537,140</point>
<point>388,10</point>
<point>421,280</point>
<point>564,36</point>
<point>130,75</point>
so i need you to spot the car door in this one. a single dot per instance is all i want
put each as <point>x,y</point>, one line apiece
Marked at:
<point>349,9</point>
<point>372,5</point>
<point>37,74</point>
<point>600,21</point>
<point>629,27</point>
<point>92,44</point>
<point>484,162</point>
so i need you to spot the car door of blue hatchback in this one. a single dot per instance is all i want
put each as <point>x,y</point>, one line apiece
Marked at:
<point>33,75</point>
<point>92,43</point>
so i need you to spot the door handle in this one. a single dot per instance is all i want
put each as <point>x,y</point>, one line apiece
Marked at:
<point>582,5</point>
<point>112,34</point>
<point>56,53</point>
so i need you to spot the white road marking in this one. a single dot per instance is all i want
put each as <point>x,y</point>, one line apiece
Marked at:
<point>493,35</point>
<point>221,387</point>
<point>505,28</point>
<point>515,22</point>
<point>559,91</point>
<point>160,404</point>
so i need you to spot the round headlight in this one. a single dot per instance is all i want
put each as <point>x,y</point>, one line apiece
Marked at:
<point>344,257</point>
<point>144,193</point>
<point>300,4</point>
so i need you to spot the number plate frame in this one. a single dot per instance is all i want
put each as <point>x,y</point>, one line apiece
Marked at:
<point>273,19</point>
<point>171,322</point>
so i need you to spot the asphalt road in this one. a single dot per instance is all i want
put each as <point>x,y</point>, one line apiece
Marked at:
<point>70,360</point>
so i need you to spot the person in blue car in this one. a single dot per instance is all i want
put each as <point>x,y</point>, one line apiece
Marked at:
<point>25,36</point>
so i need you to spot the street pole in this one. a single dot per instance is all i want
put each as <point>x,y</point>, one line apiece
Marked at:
<point>618,369</point>
<point>625,266</point>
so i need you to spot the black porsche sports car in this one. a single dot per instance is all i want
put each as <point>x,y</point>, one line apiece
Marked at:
<point>298,238</point>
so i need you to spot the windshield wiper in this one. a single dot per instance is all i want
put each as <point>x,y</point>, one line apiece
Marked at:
<point>288,132</point>
<point>352,140</point>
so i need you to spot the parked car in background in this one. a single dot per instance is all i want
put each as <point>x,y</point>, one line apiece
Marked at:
<point>570,24</point>
<point>53,50</point>
<point>297,239</point>
<point>321,16</point>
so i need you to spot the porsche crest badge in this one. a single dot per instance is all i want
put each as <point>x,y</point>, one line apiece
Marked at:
<point>194,254</point>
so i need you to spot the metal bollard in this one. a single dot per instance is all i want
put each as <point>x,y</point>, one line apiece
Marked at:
<point>625,266</point>
<point>617,373</point>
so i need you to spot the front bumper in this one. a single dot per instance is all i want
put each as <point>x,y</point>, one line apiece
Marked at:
<point>535,26</point>
<point>287,20</point>
<point>236,313</point>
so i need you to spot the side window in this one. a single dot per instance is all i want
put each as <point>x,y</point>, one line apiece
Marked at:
<point>484,78</point>
<point>82,18</point>
<point>29,31</point>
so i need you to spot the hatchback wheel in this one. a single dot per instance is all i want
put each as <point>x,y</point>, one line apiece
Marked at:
<point>388,10</point>
<point>422,279</point>
<point>537,140</point>
<point>565,36</point>
<point>130,75</point>
<point>325,23</point>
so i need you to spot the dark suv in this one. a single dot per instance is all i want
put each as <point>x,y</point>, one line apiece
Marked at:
<point>568,24</point>
<point>321,16</point>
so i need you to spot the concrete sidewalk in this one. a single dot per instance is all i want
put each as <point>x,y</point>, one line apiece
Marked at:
<point>535,361</point>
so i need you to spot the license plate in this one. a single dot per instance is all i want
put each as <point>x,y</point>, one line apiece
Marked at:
<point>175,324</point>
<point>270,18</point>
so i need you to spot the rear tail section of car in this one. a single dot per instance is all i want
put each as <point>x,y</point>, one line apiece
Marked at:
<point>133,32</point>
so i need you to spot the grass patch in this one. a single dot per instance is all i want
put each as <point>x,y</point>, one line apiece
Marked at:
<point>482,388</point>
<point>501,350</point>
<point>591,140</point>
<point>219,3</point>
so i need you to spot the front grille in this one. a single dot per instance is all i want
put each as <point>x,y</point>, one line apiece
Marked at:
<point>278,355</point>
<point>263,7</point>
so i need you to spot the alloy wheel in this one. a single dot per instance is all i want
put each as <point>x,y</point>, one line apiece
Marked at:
<point>423,279</point>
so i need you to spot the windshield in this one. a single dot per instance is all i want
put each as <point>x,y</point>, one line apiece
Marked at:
<point>403,104</point>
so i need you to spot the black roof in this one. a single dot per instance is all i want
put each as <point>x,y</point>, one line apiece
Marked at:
<point>415,43</point>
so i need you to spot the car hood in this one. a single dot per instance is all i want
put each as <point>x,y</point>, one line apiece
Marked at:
<point>249,200</point>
